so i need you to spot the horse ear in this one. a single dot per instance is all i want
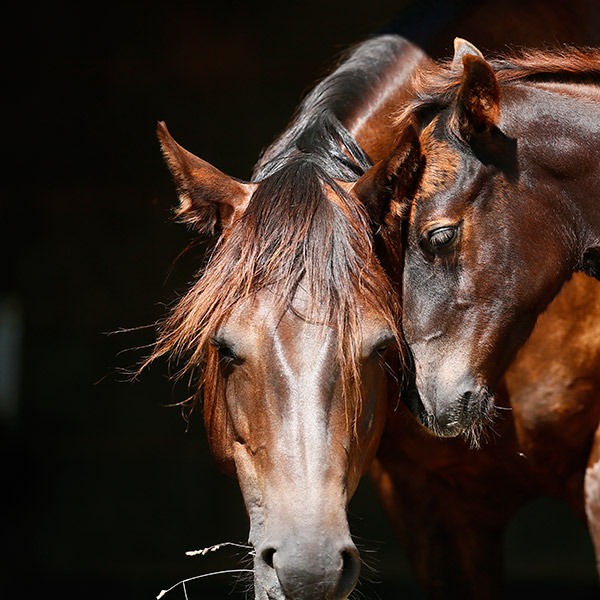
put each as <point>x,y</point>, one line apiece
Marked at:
<point>385,186</point>
<point>461,49</point>
<point>209,200</point>
<point>477,106</point>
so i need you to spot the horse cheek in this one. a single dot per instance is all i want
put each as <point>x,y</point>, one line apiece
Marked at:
<point>217,420</point>
<point>373,412</point>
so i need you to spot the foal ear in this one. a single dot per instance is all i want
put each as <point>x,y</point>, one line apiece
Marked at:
<point>386,186</point>
<point>209,200</point>
<point>461,49</point>
<point>477,106</point>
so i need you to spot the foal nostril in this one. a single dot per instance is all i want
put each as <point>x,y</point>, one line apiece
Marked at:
<point>267,555</point>
<point>466,404</point>
<point>476,404</point>
<point>350,572</point>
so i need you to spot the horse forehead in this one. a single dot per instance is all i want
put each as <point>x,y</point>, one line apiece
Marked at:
<point>262,316</point>
<point>261,322</point>
<point>281,339</point>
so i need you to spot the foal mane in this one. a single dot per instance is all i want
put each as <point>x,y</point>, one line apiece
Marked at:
<point>436,87</point>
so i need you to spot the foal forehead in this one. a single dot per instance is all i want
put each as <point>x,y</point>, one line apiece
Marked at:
<point>442,167</point>
<point>442,162</point>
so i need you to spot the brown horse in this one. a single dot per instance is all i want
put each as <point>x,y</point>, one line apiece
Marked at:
<point>503,213</point>
<point>452,504</point>
<point>285,327</point>
<point>506,212</point>
<point>288,323</point>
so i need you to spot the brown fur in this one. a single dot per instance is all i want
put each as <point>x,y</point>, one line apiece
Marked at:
<point>272,247</point>
<point>523,200</point>
<point>437,85</point>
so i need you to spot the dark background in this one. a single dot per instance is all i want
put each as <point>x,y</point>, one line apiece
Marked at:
<point>104,486</point>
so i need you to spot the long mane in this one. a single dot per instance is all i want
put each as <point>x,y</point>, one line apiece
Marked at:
<point>355,85</point>
<point>300,228</point>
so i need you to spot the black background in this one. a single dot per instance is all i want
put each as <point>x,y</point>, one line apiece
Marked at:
<point>104,489</point>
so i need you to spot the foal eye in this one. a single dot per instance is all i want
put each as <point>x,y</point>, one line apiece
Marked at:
<point>441,238</point>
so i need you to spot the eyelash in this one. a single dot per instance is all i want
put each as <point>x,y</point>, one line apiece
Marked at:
<point>448,234</point>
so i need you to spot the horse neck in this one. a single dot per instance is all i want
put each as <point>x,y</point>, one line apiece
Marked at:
<point>566,130</point>
<point>372,121</point>
<point>363,93</point>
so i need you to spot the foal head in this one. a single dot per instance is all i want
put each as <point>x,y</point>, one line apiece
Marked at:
<point>497,223</point>
<point>287,326</point>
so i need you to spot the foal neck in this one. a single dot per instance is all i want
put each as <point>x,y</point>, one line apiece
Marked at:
<point>562,139</point>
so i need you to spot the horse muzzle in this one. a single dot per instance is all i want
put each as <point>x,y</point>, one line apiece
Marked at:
<point>298,568</point>
<point>451,412</point>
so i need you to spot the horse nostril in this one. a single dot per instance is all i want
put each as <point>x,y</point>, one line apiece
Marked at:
<point>350,572</point>
<point>476,404</point>
<point>466,404</point>
<point>267,555</point>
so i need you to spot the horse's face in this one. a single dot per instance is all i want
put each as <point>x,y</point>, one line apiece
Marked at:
<point>468,301</point>
<point>294,389</point>
<point>297,445</point>
<point>478,265</point>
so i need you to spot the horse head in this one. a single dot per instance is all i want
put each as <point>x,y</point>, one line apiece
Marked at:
<point>489,235</point>
<point>288,324</point>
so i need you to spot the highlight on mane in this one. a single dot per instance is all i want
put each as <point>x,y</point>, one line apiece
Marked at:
<point>357,80</point>
<point>291,234</point>
<point>436,86</point>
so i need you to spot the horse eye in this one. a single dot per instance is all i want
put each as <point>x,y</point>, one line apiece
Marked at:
<point>441,238</point>
<point>380,349</point>
<point>225,350</point>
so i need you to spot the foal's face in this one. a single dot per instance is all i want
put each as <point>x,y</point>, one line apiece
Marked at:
<point>479,268</point>
<point>296,444</point>
<point>489,234</point>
